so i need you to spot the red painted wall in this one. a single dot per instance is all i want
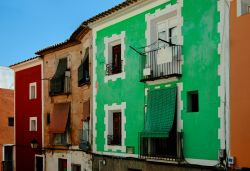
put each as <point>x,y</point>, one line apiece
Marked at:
<point>25,109</point>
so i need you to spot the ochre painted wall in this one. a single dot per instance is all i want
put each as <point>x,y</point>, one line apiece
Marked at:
<point>239,86</point>
<point>6,110</point>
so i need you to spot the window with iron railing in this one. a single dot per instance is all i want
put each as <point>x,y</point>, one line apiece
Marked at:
<point>161,62</point>
<point>116,66</point>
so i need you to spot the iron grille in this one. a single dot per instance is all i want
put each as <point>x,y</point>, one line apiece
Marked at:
<point>112,69</point>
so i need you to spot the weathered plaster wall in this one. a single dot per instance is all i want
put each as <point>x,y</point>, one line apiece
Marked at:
<point>6,111</point>
<point>239,87</point>
<point>73,157</point>
<point>77,97</point>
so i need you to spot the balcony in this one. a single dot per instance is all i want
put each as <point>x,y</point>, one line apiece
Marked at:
<point>60,85</point>
<point>7,165</point>
<point>161,63</point>
<point>112,68</point>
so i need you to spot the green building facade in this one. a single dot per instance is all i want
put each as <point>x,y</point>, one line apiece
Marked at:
<point>158,79</point>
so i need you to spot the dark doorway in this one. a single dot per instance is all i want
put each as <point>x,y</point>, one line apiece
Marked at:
<point>8,158</point>
<point>39,163</point>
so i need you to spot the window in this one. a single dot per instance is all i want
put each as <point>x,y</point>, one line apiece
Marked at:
<point>11,121</point>
<point>193,101</point>
<point>115,123</point>
<point>60,82</point>
<point>33,123</point>
<point>83,70</point>
<point>60,139</point>
<point>32,91</point>
<point>115,67</point>
<point>243,7</point>
<point>62,164</point>
<point>115,138</point>
<point>48,118</point>
<point>158,139</point>
<point>114,57</point>
<point>76,167</point>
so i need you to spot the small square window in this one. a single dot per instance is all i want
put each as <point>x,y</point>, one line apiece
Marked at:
<point>33,123</point>
<point>11,121</point>
<point>193,101</point>
<point>32,91</point>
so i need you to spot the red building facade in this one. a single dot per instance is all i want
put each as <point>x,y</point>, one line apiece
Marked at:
<point>28,114</point>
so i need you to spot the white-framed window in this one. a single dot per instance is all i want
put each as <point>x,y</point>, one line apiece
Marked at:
<point>32,91</point>
<point>243,7</point>
<point>114,57</point>
<point>33,124</point>
<point>115,133</point>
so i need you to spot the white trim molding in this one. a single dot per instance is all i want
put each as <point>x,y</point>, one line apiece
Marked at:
<point>202,162</point>
<point>109,43</point>
<point>223,72</point>
<point>179,107</point>
<point>109,111</point>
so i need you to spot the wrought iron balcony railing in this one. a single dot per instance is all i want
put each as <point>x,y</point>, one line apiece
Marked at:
<point>112,68</point>
<point>161,63</point>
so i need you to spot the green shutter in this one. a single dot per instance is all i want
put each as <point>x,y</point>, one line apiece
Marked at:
<point>160,112</point>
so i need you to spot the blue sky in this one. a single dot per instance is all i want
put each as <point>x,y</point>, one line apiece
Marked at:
<point>27,26</point>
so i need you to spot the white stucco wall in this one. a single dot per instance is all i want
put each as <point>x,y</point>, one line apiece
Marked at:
<point>6,78</point>
<point>73,157</point>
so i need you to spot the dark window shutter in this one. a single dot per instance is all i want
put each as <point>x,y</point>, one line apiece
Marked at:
<point>57,82</point>
<point>83,70</point>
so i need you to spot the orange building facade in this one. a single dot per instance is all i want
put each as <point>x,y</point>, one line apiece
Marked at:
<point>239,82</point>
<point>6,128</point>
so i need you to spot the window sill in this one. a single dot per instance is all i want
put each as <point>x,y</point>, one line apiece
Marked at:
<point>114,77</point>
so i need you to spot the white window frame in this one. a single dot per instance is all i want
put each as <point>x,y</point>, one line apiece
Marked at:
<point>30,91</point>
<point>3,154</point>
<point>109,43</point>
<point>30,125</point>
<point>108,120</point>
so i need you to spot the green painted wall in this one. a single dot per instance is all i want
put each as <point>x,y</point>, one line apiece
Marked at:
<point>200,72</point>
<point>200,68</point>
